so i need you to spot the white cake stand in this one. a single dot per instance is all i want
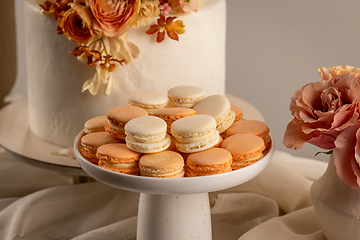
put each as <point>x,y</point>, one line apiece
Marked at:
<point>172,209</point>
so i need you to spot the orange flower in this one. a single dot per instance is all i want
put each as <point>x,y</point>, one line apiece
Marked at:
<point>74,26</point>
<point>114,17</point>
<point>169,26</point>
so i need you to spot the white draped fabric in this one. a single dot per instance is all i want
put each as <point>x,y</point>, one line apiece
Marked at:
<point>37,204</point>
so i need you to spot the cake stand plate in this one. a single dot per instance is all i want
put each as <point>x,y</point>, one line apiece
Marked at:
<point>175,208</point>
<point>17,138</point>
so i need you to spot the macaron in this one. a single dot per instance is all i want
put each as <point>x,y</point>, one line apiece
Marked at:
<point>185,96</point>
<point>217,106</point>
<point>195,133</point>
<point>166,164</point>
<point>118,116</point>
<point>256,127</point>
<point>118,157</point>
<point>96,124</point>
<point>92,141</point>
<point>171,114</point>
<point>209,162</point>
<point>147,99</point>
<point>147,134</point>
<point>238,112</point>
<point>245,149</point>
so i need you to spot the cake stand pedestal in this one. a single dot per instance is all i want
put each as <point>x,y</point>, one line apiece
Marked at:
<point>175,208</point>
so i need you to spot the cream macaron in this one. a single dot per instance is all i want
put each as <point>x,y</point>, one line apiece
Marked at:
<point>166,164</point>
<point>185,96</point>
<point>118,157</point>
<point>245,149</point>
<point>147,99</point>
<point>96,124</point>
<point>147,134</point>
<point>217,106</point>
<point>256,127</point>
<point>195,133</point>
<point>208,162</point>
<point>92,141</point>
<point>118,116</point>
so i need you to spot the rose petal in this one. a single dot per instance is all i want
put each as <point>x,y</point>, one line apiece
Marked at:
<point>344,157</point>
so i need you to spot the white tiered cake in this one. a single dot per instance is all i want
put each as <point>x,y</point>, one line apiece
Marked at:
<point>57,106</point>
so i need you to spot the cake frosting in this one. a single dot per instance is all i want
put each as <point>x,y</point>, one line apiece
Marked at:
<point>58,108</point>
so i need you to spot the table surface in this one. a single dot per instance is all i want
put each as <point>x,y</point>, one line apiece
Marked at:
<point>18,139</point>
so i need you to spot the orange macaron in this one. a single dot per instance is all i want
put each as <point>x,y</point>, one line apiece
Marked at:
<point>165,164</point>
<point>256,127</point>
<point>118,157</point>
<point>118,116</point>
<point>245,148</point>
<point>238,112</point>
<point>92,141</point>
<point>96,124</point>
<point>209,162</point>
<point>171,114</point>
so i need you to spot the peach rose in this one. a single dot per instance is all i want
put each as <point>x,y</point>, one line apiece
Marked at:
<point>185,6</point>
<point>346,156</point>
<point>322,110</point>
<point>114,17</point>
<point>76,22</point>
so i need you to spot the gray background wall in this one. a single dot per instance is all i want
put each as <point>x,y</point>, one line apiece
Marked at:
<point>273,48</point>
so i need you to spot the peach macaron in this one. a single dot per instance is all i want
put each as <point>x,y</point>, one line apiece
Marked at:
<point>238,112</point>
<point>256,127</point>
<point>209,162</point>
<point>245,149</point>
<point>96,124</point>
<point>165,164</point>
<point>118,157</point>
<point>119,116</point>
<point>92,141</point>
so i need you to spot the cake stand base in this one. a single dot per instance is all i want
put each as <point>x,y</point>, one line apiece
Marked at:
<point>183,216</point>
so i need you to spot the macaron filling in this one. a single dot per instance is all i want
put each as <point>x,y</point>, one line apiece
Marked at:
<point>151,138</point>
<point>148,147</point>
<point>224,125</point>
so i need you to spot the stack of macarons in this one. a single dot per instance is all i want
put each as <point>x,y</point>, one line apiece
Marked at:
<point>185,133</point>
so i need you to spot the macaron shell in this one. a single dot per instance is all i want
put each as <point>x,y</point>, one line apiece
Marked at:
<point>185,96</point>
<point>146,129</point>
<point>131,169</point>
<point>147,99</point>
<point>214,159</point>
<point>197,126</point>
<point>237,164</point>
<point>191,173</point>
<point>148,147</point>
<point>123,114</point>
<point>163,164</point>
<point>94,140</point>
<point>228,121</point>
<point>116,133</point>
<point>244,146</point>
<point>199,145</point>
<point>238,112</point>
<point>117,153</point>
<point>96,124</point>
<point>217,106</point>
<point>91,157</point>
<point>257,127</point>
